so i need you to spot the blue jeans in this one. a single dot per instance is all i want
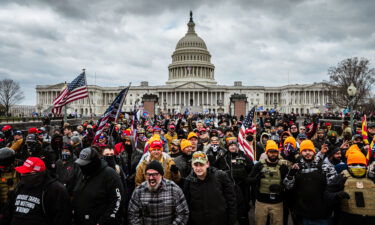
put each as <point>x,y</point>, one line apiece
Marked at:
<point>305,221</point>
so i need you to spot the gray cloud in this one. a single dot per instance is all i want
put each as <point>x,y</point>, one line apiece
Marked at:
<point>266,43</point>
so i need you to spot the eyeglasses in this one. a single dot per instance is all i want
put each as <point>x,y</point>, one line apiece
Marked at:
<point>152,174</point>
<point>293,127</point>
<point>302,129</point>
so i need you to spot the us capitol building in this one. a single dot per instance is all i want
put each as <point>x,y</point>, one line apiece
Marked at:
<point>191,84</point>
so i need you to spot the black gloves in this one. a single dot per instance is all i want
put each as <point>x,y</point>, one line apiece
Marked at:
<point>343,195</point>
<point>292,172</point>
<point>174,169</point>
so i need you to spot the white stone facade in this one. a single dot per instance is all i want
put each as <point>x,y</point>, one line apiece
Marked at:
<point>191,83</point>
<point>22,110</point>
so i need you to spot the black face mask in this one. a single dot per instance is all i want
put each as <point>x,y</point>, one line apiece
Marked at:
<point>332,140</point>
<point>110,160</point>
<point>335,161</point>
<point>249,138</point>
<point>360,145</point>
<point>91,168</point>
<point>33,180</point>
<point>128,147</point>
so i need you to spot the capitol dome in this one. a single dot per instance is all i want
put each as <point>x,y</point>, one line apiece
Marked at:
<point>191,61</point>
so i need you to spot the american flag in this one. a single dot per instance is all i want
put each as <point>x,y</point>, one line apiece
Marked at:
<point>76,90</point>
<point>243,144</point>
<point>112,113</point>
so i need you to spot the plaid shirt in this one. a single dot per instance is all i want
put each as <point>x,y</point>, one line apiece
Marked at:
<point>165,206</point>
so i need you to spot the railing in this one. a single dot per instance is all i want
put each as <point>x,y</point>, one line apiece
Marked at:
<point>25,119</point>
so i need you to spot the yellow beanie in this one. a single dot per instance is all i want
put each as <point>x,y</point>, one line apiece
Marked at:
<point>185,143</point>
<point>351,149</point>
<point>356,157</point>
<point>191,135</point>
<point>271,145</point>
<point>307,145</point>
<point>291,140</point>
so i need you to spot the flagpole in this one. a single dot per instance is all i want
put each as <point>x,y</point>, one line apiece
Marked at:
<point>122,102</point>
<point>65,110</point>
<point>65,115</point>
<point>87,87</point>
<point>255,134</point>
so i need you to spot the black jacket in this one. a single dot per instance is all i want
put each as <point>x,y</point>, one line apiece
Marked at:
<point>68,174</point>
<point>98,198</point>
<point>44,204</point>
<point>237,165</point>
<point>211,201</point>
<point>310,193</point>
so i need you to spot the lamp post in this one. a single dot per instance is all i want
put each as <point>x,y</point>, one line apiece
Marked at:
<point>352,91</point>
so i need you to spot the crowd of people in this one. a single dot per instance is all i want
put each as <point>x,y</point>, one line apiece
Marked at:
<point>189,169</point>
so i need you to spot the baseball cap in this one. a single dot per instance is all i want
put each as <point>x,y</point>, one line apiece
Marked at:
<point>6,128</point>
<point>32,164</point>
<point>156,145</point>
<point>199,157</point>
<point>249,131</point>
<point>17,132</point>
<point>192,135</point>
<point>33,130</point>
<point>86,156</point>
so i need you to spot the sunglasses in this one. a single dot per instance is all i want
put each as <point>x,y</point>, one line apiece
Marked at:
<point>302,129</point>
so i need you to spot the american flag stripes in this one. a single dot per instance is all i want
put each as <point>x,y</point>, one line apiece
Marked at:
<point>76,90</point>
<point>243,144</point>
<point>112,113</point>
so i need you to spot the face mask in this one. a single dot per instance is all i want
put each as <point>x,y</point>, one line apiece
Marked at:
<point>215,148</point>
<point>360,145</point>
<point>65,156</point>
<point>250,138</point>
<point>110,160</point>
<point>358,171</point>
<point>91,168</point>
<point>335,161</point>
<point>332,140</point>
<point>33,180</point>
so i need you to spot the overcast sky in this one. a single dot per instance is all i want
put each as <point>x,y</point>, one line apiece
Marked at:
<point>50,41</point>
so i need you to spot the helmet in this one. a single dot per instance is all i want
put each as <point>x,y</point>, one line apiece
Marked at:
<point>7,156</point>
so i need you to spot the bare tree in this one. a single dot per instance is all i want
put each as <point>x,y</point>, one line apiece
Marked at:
<point>10,94</point>
<point>351,70</point>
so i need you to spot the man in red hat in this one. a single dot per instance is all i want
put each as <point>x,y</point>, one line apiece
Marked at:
<point>38,198</point>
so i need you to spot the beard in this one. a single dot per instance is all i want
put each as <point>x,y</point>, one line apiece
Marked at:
<point>153,188</point>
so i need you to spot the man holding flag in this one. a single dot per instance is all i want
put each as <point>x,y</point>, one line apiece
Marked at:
<point>112,113</point>
<point>244,145</point>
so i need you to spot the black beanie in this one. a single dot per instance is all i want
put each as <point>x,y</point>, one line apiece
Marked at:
<point>332,150</point>
<point>155,165</point>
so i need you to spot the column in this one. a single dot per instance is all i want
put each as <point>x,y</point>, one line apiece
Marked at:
<point>211,99</point>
